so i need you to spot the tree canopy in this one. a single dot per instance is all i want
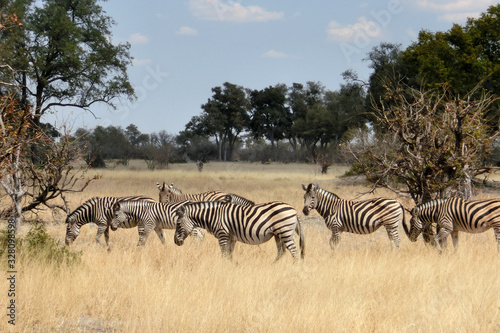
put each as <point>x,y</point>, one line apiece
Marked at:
<point>64,55</point>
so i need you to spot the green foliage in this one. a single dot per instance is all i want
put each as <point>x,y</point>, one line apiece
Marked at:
<point>224,117</point>
<point>37,245</point>
<point>64,55</point>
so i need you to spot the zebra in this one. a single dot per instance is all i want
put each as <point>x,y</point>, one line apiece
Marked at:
<point>453,215</point>
<point>150,215</point>
<point>239,200</point>
<point>253,225</point>
<point>169,193</point>
<point>358,217</point>
<point>98,211</point>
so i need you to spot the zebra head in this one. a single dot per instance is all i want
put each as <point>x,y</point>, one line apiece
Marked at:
<point>415,225</point>
<point>72,230</point>
<point>183,227</point>
<point>165,191</point>
<point>119,216</point>
<point>310,198</point>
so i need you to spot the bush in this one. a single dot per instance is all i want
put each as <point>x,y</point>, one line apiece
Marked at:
<point>38,245</point>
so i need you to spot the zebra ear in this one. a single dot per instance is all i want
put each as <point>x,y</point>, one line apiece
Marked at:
<point>116,206</point>
<point>304,187</point>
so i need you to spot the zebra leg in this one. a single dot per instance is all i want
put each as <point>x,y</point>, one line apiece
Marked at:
<point>290,245</point>
<point>497,236</point>
<point>454,238</point>
<point>392,232</point>
<point>159,232</point>
<point>335,239</point>
<point>226,247</point>
<point>280,246</point>
<point>101,228</point>
<point>445,229</point>
<point>106,235</point>
<point>144,237</point>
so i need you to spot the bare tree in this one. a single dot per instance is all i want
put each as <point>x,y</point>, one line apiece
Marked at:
<point>430,141</point>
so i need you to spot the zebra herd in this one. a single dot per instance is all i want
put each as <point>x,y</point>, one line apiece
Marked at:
<point>231,218</point>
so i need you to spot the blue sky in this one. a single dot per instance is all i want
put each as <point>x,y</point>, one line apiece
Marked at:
<point>182,49</point>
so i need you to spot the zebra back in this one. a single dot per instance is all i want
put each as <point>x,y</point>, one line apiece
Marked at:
<point>359,217</point>
<point>247,223</point>
<point>469,216</point>
<point>96,209</point>
<point>169,193</point>
<point>160,213</point>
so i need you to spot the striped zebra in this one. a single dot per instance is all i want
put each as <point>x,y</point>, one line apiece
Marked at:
<point>169,193</point>
<point>150,215</point>
<point>98,211</point>
<point>453,215</point>
<point>358,217</point>
<point>239,200</point>
<point>247,224</point>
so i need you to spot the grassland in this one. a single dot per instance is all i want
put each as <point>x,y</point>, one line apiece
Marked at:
<point>363,287</point>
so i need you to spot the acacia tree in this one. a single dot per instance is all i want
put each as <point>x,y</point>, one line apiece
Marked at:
<point>14,124</point>
<point>432,142</point>
<point>64,56</point>
<point>224,117</point>
<point>270,116</point>
<point>55,58</point>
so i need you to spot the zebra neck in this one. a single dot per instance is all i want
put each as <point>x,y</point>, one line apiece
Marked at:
<point>324,200</point>
<point>177,197</point>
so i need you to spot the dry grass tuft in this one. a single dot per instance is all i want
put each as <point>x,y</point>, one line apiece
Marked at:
<point>364,286</point>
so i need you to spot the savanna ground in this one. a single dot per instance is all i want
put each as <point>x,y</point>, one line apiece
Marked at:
<point>363,287</point>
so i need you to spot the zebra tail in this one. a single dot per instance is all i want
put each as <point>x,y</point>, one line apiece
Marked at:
<point>302,243</point>
<point>405,227</point>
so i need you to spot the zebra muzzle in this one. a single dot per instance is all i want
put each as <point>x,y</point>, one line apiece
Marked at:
<point>178,241</point>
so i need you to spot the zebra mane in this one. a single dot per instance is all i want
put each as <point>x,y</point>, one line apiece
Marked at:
<point>240,200</point>
<point>174,190</point>
<point>328,194</point>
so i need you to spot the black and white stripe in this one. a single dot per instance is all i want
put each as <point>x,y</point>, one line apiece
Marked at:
<point>239,200</point>
<point>453,215</point>
<point>358,217</point>
<point>247,224</point>
<point>169,193</point>
<point>96,210</point>
<point>149,215</point>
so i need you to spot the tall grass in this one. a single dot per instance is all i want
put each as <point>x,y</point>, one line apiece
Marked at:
<point>363,286</point>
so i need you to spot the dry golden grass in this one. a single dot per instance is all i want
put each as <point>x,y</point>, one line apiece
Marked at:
<point>363,286</point>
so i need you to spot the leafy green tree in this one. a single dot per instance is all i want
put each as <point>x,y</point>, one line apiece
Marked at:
<point>224,117</point>
<point>64,56</point>
<point>271,117</point>
<point>460,58</point>
<point>196,147</point>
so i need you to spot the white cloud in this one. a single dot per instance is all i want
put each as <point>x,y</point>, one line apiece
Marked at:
<point>456,11</point>
<point>275,54</point>
<point>231,11</point>
<point>362,27</point>
<point>141,62</point>
<point>138,38</point>
<point>458,17</point>
<point>186,31</point>
<point>455,6</point>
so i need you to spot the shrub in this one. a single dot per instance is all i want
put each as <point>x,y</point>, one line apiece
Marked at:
<point>39,246</point>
